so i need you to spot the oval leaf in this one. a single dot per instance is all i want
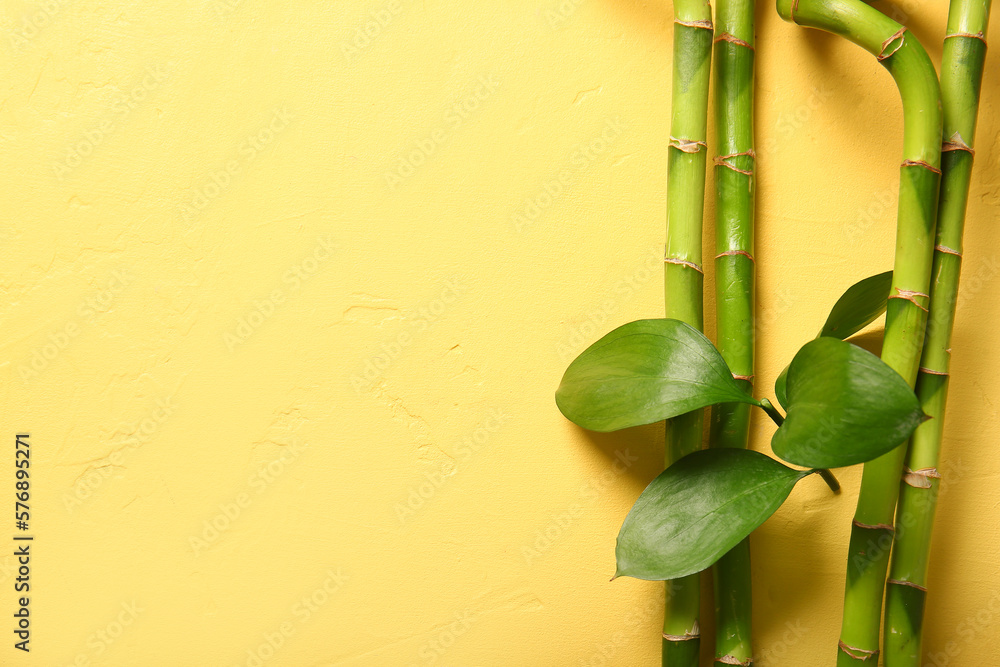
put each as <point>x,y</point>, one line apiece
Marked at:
<point>858,307</point>
<point>698,509</point>
<point>845,406</point>
<point>644,372</point>
<point>780,388</point>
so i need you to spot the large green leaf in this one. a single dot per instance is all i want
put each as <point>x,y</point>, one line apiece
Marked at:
<point>698,509</point>
<point>856,308</point>
<point>644,372</point>
<point>781,388</point>
<point>845,406</point>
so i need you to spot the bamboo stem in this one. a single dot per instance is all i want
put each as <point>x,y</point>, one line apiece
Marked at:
<point>962,62</point>
<point>734,292</point>
<point>903,56</point>
<point>682,274</point>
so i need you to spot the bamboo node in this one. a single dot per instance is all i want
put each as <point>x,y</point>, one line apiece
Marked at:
<point>748,378</point>
<point>931,371</point>
<point>723,161</point>
<point>911,296</point>
<point>736,252</point>
<point>889,42</point>
<point>874,526</point>
<point>900,582</point>
<point>921,163</point>
<point>732,39</point>
<point>946,249</point>
<point>920,479</point>
<point>905,293</point>
<point>700,23</point>
<point>972,35</point>
<point>680,638</point>
<point>732,660</point>
<point>683,262</point>
<point>858,653</point>
<point>792,10</point>
<point>686,145</point>
<point>956,143</point>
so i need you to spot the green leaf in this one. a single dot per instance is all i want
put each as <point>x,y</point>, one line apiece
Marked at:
<point>644,372</point>
<point>858,307</point>
<point>845,406</point>
<point>698,509</point>
<point>781,388</point>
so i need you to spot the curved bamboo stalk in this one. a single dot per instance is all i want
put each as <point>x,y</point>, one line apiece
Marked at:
<point>682,272</point>
<point>961,78</point>
<point>734,292</point>
<point>903,56</point>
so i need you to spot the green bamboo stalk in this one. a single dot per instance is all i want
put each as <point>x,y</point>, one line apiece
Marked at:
<point>734,293</point>
<point>962,62</point>
<point>903,56</point>
<point>682,272</point>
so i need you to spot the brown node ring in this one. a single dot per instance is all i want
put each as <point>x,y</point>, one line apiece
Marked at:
<point>858,653</point>
<point>911,296</point>
<point>921,163</point>
<point>956,143</point>
<point>949,251</point>
<point>875,526</point>
<point>700,23</point>
<point>899,582</point>
<point>887,43</point>
<point>732,39</point>
<point>920,479</point>
<point>683,262</point>
<point>723,161</point>
<point>729,253</point>
<point>686,145</point>
<point>972,35</point>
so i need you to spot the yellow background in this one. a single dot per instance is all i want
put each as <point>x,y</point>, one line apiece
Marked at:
<point>219,213</point>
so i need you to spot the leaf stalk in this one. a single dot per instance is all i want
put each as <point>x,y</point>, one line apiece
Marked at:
<point>829,478</point>
<point>772,411</point>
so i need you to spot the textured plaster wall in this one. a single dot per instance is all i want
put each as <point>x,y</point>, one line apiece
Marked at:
<point>287,354</point>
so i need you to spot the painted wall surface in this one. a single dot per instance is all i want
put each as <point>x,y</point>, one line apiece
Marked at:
<point>288,288</point>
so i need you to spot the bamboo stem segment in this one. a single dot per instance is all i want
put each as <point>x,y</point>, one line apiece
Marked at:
<point>682,275</point>
<point>905,59</point>
<point>734,292</point>
<point>962,62</point>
